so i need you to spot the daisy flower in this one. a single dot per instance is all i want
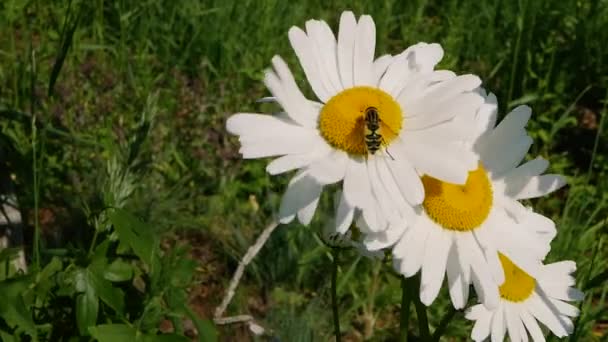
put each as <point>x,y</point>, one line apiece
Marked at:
<point>460,229</point>
<point>524,300</point>
<point>375,124</point>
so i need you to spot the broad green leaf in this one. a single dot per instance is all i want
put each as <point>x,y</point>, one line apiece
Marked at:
<point>87,307</point>
<point>136,234</point>
<point>206,328</point>
<point>154,313</point>
<point>8,254</point>
<point>118,270</point>
<point>12,307</point>
<point>113,333</point>
<point>112,296</point>
<point>7,337</point>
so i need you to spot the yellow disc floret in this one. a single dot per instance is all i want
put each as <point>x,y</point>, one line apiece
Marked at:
<point>342,119</point>
<point>518,285</point>
<point>459,207</point>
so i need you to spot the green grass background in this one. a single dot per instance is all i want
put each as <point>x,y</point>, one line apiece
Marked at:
<point>177,69</point>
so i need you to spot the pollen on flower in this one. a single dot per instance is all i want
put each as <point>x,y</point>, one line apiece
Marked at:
<point>342,119</point>
<point>458,207</point>
<point>518,285</point>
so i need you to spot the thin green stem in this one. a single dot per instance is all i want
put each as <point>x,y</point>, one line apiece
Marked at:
<point>94,241</point>
<point>36,242</point>
<point>423,321</point>
<point>443,324</point>
<point>404,318</point>
<point>520,30</point>
<point>334,294</point>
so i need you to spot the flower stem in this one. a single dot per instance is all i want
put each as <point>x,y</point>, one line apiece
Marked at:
<point>445,320</point>
<point>406,299</point>
<point>334,294</point>
<point>423,322</point>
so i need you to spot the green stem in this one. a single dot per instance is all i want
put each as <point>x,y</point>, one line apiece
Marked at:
<point>334,294</point>
<point>406,299</point>
<point>445,320</point>
<point>94,241</point>
<point>36,182</point>
<point>423,322</point>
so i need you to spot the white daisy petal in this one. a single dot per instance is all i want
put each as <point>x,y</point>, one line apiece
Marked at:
<point>541,186</point>
<point>434,264</point>
<point>325,43</point>
<point>510,128</point>
<point>303,191</point>
<point>344,215</point>
<point>417,60</point>
<point>477,312</point>
<point>437,161</point>
<point>330,169</point>
<point>307,212</point>
<point>380,66</point>
<point>547,316</point>
<point>485,118</point>
<point>365,45</point>
<point>381,194</point>
<point>481,329</point>
<point>244,124</point>
<point>458,287</point>
<point>357,189</point>
<point>531,326</point>
<point>407,180</point>
<point>555,269</point>
<point>509,158</point>
<point>443,91</point>
<point>559,291</point>
<point>295,161</point>
<point>521,327</point>
<point>565,309</point>
<point>346,48</point>
<point>306,55</point>
<point>498,325</point>
<point>287,93</point>
<point>428,113</point>
<point>485,287</point>
<point>412,260</point>
<point>380,240</point>
<point>392,187</point>
<point>517,178</point>
<point>512,320</point>
<point>426,56</point>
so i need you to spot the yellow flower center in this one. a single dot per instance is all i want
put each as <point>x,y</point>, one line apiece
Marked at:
<point>518,285</point>
<point>458,207</point>
<point>343,124</point>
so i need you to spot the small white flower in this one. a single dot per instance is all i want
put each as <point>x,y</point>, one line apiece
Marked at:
<point>525,300</point>
<point>337,139</point>
<point>460,229</point>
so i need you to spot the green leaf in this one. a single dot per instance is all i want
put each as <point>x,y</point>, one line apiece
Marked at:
<point>7,337</point>
<point>113,333</point>
<point>118,271</point>
<point>136,234</point>
<point>9,253</point>
<point>112,296</point>
<point>87,307</point>
<point>12,307</point>
<point>206,328</point>
<point>69,28</point>
<point>599,280</point>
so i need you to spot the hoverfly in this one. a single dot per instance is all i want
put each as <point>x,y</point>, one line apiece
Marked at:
<point>373,139</point>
